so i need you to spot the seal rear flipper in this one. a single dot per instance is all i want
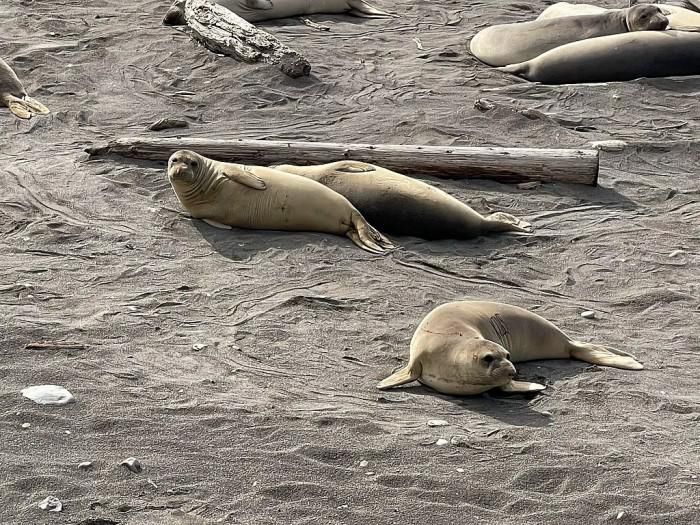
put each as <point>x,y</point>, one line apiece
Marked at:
<point>505,222</point>
<point>367,236</point>
<point>405,375</point>
<point>522,387</point>
<point>243,176</point>
<point>600,355</point>
<point>19,108</point>
<point>35,106</point>
<point>521,70</point>
<point>363,9</point>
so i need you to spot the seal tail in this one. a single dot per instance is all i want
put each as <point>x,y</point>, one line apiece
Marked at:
<point>367,236</point>
<point>409,373</point>
<point>505,222</point>
<point>521,70</point>
<point>363,9</point>
<point>606,356</point>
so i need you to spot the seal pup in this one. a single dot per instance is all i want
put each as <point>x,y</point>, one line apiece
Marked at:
<point>615,58</point>
<point>225,195</point>
<point>259,10</point>
<point>469,347</point>
<point>505,44</point>
<point>14,96</point>
<point>401,205</point>
<point>678,17</point>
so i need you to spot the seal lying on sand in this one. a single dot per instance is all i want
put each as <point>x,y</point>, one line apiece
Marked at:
<point>259,10</point>
<point>14,96</point>
<point>505,44</point>
<point>404,206</point>
<point>678,17</point>
<point>469,347</point>
<point>615,58</point>
<point>225,195</point>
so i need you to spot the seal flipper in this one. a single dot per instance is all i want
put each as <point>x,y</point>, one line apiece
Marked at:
<point>352,166</point>
<point>521,387</point>
<point>505,222</point>
<point>405,375</point>
<point>601,355</point>
<point>243,176</point>
<point>35,106</point>
<point>18,107</point>
<point>367,236</point>
<point>216,224</point>
<point>363,9</point>
<point>259,4</point>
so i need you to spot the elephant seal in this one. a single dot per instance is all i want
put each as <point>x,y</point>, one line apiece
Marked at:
<point>678,17</point>
<point>615,58</point>
<point>14,96</point>
<point>401,205</point>
<point>469,347</point>
<point>259,10</point>
<point>225,195</point>
<point>505,44</point>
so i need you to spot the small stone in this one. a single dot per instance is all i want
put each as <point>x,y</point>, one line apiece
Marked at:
<point>199,346</point>
<point>255,483</point>
<point>483,104</point>
<point>124,507</point>
<point>342,506</point>
<point>620,514</point>
<point>546,413</point>
<point>85,465</point>
<point>676,253</point>
<point>460,470</point>
<point>437,423</point>
<point>66,432</point>
<point>459,441</point>
<point>588,314</point>
<point>441,442</point>
<point>364,463</point>
<point>530,185</point>
<point>52,504</point>
<point>48,395</point>
<point>133,464</point>
<point>26,425</point>
<point>370,473</point>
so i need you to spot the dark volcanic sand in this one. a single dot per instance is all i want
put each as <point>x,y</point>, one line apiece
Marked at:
<point>270,421</point>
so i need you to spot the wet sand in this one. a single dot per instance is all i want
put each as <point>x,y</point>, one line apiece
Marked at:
<point>270,421</point>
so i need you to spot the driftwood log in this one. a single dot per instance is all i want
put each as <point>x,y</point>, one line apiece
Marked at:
<point>501,164</point>
<point>224,32</point>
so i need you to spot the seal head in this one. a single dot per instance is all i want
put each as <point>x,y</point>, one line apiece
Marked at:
<point>646,17</point>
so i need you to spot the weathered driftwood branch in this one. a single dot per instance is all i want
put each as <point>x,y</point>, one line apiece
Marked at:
<point>502,164</point>
<point>224,32</point>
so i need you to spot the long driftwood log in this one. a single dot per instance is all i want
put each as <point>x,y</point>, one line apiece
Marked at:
<point>501,164</point>
<point>224,32</point>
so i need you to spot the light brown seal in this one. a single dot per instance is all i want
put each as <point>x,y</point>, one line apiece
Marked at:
<point>402,205</point>
<point>14,96</point>
<point>225,194</point>
<point>505,44</point>
<point>469,347</point>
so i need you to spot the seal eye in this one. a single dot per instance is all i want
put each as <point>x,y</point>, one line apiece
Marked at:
<point>488,359</point>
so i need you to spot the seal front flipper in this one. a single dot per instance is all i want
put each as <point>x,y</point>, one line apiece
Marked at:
<point>405,375</point>
<point>217,224</point>
<point>352,166</point>
<point>242,176</point>
<point>600,355</point>
<point>522,387</point>
<point>363,9</point>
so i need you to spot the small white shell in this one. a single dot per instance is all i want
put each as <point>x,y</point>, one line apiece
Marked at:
<point>437,423</point>
<point>52,504</point>
<point>48,395</point>
<point>85,465</point>
<point>588,314</point>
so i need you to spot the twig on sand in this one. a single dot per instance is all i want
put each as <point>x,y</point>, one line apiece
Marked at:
<point>55,345</point>
<point>314,25</point>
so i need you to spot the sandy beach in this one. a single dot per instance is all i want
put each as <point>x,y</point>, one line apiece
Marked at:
<point>240,367</point>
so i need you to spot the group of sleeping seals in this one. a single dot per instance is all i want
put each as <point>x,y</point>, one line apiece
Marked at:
<point>15,97</point>
<point>573,43</point>
<point>260,10</point>
<point>338,198</point>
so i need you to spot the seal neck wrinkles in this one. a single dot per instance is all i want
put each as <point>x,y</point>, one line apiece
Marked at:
<point>205,182</point>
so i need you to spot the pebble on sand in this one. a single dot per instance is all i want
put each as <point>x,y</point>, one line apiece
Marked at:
<point>441,442</point>
<point>26,425</point>
<point>364,463</point>
<point>588,314</point>
<point>52,504</point>
<point>48,395</point>
<point>133,464</point>
<point>437,423</point>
